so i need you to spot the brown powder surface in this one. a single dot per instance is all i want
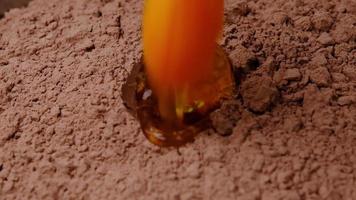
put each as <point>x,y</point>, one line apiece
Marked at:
<point>65,133</point>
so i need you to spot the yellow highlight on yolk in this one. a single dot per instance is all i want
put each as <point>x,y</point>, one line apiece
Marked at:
<point>179,39</point>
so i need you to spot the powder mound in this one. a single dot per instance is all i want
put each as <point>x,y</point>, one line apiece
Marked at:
<point>65,132</point>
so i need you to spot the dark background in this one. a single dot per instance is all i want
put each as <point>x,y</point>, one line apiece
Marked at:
<point>6,5</point>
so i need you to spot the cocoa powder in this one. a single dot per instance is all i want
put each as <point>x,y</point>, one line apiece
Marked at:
<point>66,134</point>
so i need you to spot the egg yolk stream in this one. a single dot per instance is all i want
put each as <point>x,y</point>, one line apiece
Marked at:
<point>179,39</point>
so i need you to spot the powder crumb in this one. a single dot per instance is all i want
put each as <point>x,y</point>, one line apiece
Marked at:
<point>322,21</point>
<point>224,119</point>
<point>304,23</point>
<point>259,93</point>
<point>244,59</point>
<point>319,60</point>
<point>320,76</point>
<point>194,170</point>
<point>325,39</point>
<point>344,33</point>
<point>293,124</point>
<point>350,71</point>
<point>346,100</point>
<point>242,9</point>
<point>279,18</point>
<point>292,75</point>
